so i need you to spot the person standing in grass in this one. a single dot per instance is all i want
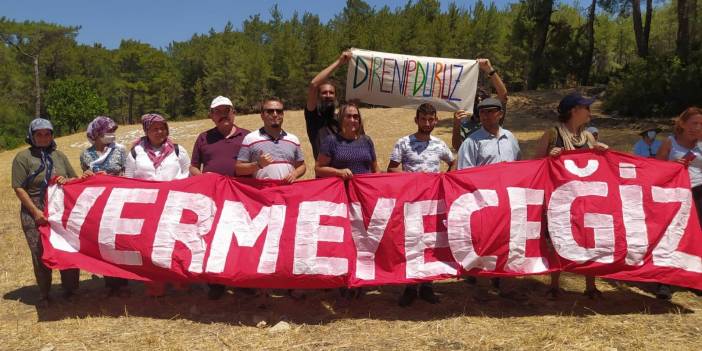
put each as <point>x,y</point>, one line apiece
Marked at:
<point>105,156</point>
<point>420,152</point>
<point>684,147</point>
<point>32,169</point>
<point>215,150</point>
<point>156,157</point>
<point>569,134</point>
<point>488,145</point>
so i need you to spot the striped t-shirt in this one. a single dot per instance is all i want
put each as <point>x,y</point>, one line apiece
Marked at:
<point>285,150</point>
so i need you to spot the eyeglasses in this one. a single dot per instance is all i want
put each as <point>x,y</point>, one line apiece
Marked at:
<point>489,110</point>
<point>270,111</point>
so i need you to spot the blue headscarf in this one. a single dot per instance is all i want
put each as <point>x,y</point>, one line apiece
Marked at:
<point>47,163</point>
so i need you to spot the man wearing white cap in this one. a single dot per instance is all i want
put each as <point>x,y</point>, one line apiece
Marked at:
<point>215,150</point>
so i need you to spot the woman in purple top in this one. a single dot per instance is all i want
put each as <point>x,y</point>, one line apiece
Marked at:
<point>349,152</point>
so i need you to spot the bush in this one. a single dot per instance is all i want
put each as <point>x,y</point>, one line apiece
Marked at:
<point>72,104</point>
<point>659,86</point>
<point>13,126</point>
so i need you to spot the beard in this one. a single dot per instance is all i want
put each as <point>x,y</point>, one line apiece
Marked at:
<point>326,108</point>
<point>275,125</point>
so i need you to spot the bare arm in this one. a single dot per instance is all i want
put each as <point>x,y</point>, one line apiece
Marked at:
<point>495,79</point>
<point>296,173</point>
<point>27,202</point>
<point>323,170</point>
<point>394,167</point>
<point>456,139</point>
<point>542,146</point>
<point>664,150</point>
<point>322,77</point>
<point>243,168</point>
<point>374,167</point>
<point>195,171</point>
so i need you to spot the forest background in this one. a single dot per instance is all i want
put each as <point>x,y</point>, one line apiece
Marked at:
<point>644,58</point>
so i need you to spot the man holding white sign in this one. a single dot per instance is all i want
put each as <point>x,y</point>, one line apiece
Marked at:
<point>321,104</point>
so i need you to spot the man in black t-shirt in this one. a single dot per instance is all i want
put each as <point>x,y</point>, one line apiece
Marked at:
<point>321,104</point>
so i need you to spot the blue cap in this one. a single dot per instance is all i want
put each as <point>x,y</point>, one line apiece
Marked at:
<point>571,100</point>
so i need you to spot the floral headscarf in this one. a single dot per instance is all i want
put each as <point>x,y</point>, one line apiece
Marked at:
<point>99,126</point>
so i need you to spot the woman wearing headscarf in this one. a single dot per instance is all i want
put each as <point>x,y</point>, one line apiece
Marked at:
<point>105,156</point>
<point>32,170</point>
<point>570,134</point>
<point>156,157</point>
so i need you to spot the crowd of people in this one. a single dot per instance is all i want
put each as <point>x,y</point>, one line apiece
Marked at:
<point>341,149</point>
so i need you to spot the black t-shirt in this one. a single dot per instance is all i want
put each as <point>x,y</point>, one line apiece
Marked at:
<point>318,127</point>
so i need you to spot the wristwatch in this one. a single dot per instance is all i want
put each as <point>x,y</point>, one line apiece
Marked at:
<point>491,73</point>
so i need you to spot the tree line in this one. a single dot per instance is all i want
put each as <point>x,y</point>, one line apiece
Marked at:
<point>647,55</point>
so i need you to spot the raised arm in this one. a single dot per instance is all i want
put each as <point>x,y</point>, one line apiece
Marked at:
<point>322,77</point>
<point>495,79</point>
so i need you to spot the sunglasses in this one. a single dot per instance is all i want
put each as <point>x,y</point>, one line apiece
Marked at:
<point>270,111</point>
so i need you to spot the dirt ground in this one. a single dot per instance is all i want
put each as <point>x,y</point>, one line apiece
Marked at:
<point>468,317</point>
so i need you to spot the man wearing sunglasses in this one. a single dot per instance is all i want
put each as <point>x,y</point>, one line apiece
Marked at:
<point>271,152</point>
<point>215,150</point>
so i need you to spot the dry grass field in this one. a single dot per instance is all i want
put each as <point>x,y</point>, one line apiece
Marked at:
<point>468,317</point>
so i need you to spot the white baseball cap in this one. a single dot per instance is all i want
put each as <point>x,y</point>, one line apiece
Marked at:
<point>221,101</point>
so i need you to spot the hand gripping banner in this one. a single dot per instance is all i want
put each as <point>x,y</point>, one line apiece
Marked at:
<point>606,214</point>
<point>396,80</point>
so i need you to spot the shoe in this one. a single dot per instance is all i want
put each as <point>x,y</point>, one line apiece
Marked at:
<point>663,292</point>
<point>216,292</point>
<point>426,293</point>
<point>408,296</point>
<point>593,294</point>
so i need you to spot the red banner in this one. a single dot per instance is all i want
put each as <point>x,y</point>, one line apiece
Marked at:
<point>606,214</point>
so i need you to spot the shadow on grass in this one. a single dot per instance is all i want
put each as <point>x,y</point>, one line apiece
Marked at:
<point>325,306</point>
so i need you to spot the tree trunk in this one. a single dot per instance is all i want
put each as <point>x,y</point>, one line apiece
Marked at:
<point>682,41</point>
<point>130,101</point>
<point>590,32</point>
<point>542,15</point>
<point>694,35</point>
<point>37,87</point>
<point>647,25</point>
<point>640,33</point>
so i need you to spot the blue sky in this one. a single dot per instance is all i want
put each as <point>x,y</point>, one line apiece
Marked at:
<point>158,22</point>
